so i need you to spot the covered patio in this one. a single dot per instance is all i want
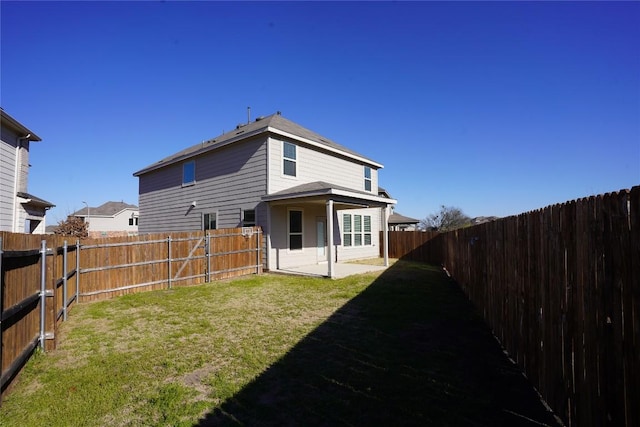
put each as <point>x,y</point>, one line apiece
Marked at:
<point>322,202</point>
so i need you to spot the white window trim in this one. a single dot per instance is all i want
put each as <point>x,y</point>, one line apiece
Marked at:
<point>353,232</point>
<point>370,179</point>
<point>283,158</point>
<point>289,229</point>
<point>217,219</point>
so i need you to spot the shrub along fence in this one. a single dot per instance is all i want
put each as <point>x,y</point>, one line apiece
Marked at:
<point>43,276</point>
<point>560,287</point>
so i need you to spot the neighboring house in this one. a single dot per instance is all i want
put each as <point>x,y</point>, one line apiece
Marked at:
<point>112,219</point>
<point>20,212</point>
<point>396,221</point>
<point>399,222</point>
<point>278,175</point>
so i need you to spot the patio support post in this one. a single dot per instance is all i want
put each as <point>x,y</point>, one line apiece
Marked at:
<point>385,235</point>
<point>330,257</point>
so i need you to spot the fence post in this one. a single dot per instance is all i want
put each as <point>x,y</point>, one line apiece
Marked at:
<point>258,244</point>
<point>43,289</point>
<point>64,281</point>
<point>169,261</point>
<point>77,271</point>
<point>207,246</point>
<point>1,305</point>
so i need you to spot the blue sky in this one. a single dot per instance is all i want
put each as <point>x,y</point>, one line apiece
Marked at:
<point>496,108</point>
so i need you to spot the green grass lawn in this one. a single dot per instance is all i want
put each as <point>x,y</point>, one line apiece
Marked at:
<point>402,347</point>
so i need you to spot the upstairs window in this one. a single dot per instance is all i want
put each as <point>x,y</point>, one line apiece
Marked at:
<point>367,178</point>
<point>289,158</point>
<point>133,220</point>
<point>189,173</point>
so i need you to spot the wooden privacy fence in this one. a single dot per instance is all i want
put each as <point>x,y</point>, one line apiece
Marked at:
<point>42,276</point>
<point>560,287</point>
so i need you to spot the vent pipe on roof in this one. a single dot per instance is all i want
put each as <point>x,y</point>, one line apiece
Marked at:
<point>248,115</point>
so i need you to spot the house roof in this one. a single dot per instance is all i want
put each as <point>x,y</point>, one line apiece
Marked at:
<point>106,209</point>
<point>275,124</point>
<point>9,121</point>
<point>396,218</point>
<point>320,188</point>
<point>33,200</point>
<point>384,193</point>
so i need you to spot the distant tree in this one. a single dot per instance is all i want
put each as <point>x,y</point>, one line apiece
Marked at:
<point>448,218</point>
<point>73,226</point>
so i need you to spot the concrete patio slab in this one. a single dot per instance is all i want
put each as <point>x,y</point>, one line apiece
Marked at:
<point>340,270</point>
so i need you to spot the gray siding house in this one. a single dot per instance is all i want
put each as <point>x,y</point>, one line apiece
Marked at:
<point>20,212</point>
<point>316,201</point>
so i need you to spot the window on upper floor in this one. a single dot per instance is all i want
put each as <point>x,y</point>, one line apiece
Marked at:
<point>289,158</point>
<point>133,220</point>
<point>189,173</point>
<point>367,178</point>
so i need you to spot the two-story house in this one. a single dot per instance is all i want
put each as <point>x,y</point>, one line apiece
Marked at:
<point>111,219</point>
<point>316,201</point>
<point>20,212</point>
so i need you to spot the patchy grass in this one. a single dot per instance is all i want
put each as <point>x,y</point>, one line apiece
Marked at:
<point>399,347</point>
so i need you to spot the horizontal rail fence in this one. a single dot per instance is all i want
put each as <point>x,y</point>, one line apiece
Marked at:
<point>116,266</point>
<point>24,298</point>
<point>41,279</point>
<point>560,287</point>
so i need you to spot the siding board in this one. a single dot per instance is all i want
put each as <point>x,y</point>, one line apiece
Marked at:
<point>227,180</point>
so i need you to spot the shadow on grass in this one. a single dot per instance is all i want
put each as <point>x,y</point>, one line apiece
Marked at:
<point>409,350</point>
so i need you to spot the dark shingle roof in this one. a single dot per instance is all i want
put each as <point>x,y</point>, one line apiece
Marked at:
<point>35,200</point>
<point>274,123</point>
<point>396,218</point>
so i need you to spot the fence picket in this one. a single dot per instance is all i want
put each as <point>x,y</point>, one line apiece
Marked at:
<point>560,287</point>
<point>39,274</point>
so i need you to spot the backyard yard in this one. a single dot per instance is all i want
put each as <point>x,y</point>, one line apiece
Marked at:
<point>399,347</point>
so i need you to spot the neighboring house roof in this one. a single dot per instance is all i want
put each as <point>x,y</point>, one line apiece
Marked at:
<point>51,229</point>
<point>9,121</point>
<point>35,201</point>
<point>396,219</point>
<point>274,123</point>
<point>107,209</point>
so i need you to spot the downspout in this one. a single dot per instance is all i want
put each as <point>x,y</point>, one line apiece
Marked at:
<point>16,174</point>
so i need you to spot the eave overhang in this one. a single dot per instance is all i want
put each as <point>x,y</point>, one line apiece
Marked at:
<point>343,196</point>
<point>31,200</point>
<point>242,134</point>
<point>325,147</point>
<point>19,127</point>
